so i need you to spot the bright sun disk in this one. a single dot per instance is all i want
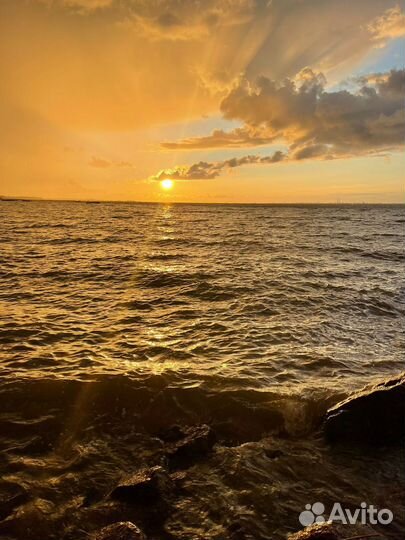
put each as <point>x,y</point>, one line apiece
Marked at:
<point>166,183</point>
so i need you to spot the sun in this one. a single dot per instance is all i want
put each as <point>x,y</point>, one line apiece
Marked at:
<point>166,184</point>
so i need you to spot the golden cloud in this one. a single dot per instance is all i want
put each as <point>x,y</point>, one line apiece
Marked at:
<point>391,24</point>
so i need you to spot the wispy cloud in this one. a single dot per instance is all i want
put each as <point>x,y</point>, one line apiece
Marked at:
<point>184,20</point>
<point>101,163</point>
<point>84,6</point>
<point>238,138</point>
<point>390,24</point>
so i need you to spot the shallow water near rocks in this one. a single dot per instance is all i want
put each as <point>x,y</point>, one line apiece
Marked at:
<point>119,320</point>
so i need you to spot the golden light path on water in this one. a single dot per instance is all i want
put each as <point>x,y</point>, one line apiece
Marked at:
<point>161,225</point>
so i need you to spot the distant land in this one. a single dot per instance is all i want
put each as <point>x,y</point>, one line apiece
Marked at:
<point>10,198</point>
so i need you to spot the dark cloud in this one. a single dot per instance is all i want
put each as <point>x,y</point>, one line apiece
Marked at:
<point>310,120</point>
<point>204,170</point>
<point>313,123</point>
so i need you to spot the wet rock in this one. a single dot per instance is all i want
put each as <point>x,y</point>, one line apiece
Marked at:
<point>124,530</point>
<point>324,531</point>
<point>336,531</point>
<point>148,485</point>
<point>375,415</point>
<point>11,496</point>
<point>197,442</point>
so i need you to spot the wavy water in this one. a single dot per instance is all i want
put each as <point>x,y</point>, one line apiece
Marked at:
<point>118,320</point>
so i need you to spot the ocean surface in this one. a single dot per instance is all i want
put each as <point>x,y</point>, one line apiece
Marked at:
<point>119,320</point>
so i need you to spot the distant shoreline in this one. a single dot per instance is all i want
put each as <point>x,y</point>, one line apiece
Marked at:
<point>112,201</point>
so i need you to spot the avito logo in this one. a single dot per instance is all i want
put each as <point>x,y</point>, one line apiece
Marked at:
<point>366,515</point>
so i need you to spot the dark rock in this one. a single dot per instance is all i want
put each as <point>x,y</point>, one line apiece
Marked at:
<point>11,496</point>
<point>124,530</point>
<point>146,486</point>
<point>336,531</point>
<point>322,531</point>
<point>196,443</point>
<point>375,415</point>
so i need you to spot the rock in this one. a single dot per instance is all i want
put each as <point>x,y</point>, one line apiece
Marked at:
<point>11,496</point>
<point>375,415</point>
<point>322,531</point>
<point>124,530</point>
<point>146,486</point>
<point>336,531</point>
<point>197,442</point>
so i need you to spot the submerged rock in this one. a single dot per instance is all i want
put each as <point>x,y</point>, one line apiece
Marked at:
<point>374,415</point>
<point>195,443</point>
<point>124,530</point>
<point>146,486</point>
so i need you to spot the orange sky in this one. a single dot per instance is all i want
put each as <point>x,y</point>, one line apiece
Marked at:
<point>102,99</point>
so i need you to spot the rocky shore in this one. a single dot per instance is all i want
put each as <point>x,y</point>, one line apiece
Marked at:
<point>375,416</point>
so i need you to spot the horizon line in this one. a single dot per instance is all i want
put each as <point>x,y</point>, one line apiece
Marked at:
<point>6,198</point>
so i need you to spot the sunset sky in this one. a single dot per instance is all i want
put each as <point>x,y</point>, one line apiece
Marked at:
<point>232,100</point>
